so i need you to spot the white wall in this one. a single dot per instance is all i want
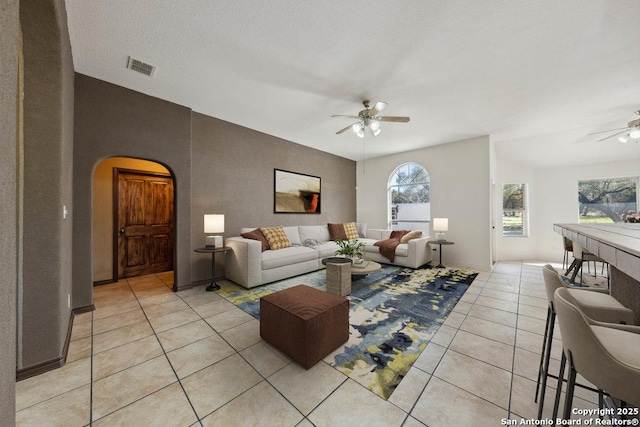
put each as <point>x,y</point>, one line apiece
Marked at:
<point>553,198</point>
<point>460,190</point>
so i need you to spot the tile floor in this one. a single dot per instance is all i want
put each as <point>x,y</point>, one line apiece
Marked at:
<point>149,356</point>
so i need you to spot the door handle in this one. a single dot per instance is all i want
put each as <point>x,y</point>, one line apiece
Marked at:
<point>122,231</point>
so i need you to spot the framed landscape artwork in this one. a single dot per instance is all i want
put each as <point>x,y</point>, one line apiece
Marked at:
<point>296,193</point>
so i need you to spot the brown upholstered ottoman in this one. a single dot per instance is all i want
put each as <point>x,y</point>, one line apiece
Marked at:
<point>304,323</point>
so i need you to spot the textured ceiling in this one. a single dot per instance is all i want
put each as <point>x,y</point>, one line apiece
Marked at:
<point>535,75</point>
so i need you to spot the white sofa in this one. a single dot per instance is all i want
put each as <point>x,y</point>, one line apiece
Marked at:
<point>248,266</point>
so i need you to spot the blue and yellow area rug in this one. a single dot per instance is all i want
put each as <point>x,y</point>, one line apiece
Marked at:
<point>393,315</point>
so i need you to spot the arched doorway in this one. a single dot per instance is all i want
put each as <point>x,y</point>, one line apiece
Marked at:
<point>409,198</point>
<point>133,220</point>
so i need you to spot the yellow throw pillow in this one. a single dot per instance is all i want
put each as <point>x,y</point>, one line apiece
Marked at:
<point>416,234</point>
<point>276,237</point>
<point>351,230</point>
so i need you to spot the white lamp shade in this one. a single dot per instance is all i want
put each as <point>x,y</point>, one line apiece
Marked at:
<point>635,133</point>
<point>214,223</point>
<point>441,224</point>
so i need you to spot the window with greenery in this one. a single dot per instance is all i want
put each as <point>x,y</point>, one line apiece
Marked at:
<point>409,198</point>
<point>514,214</point>
<point>606,200</point>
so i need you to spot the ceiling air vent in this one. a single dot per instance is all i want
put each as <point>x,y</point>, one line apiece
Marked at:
<point>141,67</point>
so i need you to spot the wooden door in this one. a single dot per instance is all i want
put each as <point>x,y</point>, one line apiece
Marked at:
<point>144,223</point>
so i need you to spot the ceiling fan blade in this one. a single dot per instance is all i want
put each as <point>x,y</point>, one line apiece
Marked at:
<point>393,119</point>
<point>342,115</point>
<point>346,129</point>
<point>611,136</point>
<point>378,107</point>
<point>608,130</point>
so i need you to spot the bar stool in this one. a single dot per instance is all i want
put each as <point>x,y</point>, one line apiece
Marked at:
<point>596,303</point>
<point>604,354</point>
<point>568,247</point>
<point>580,257</point>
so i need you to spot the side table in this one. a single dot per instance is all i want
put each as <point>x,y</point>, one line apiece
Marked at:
<point>213,251</point>
<point>440,243</point>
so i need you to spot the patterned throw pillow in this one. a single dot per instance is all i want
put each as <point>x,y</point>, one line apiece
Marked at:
<point>350,230</point>
<point>276,237</point>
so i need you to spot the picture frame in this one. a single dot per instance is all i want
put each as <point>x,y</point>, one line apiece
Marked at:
<point>296,192</point>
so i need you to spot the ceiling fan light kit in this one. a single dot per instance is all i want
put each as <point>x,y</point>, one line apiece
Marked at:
<point>369,119</point>
<point>631,131</point>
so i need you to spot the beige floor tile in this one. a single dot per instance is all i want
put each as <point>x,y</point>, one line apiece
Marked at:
<point>443,404</point>
<point>48,413</point>
<point>265,358</point>
<point>198,355</point>
<point>81,330</point>
<point>146,293</point>
<point>533,343</point>
<point>501,295</point>
<point>409,390</point>
<point>202,298</point>
<point>228,319</point>
<point>262,405</point>
<point>120,336</point>
<point>495,331</point>
<point>469,297</point>
<point>112,310</point>
<point>535,302</point>
<point>53,383</point>
<point>162,309</point>
<point>537,293</point>
<point>214,386</point>
<point>486,350</point>
<point>498,304</point>
<point>531,311</point>
<point>79,349</point>
<point>166,407</point>
<point>501,287</point>
<point>185,334</point>
<point>125,356</point>
<point>483,380</point>
<point>462,307</point>
<point>444,336</point>
<point>212,308</point>
<point>474,290</point>
<point>526,364</point>
<point>305,389</point>
<point>496,316</point>
<point>482,276</point>
<point>412,422</point>
<point>430,357</point>
<point>172,320</point>
<point>125,387</point>
<point>108,301</point>
<point>83,317</point>
<point>117,321</point>
<point>454,319</point>
<point>351,404</point>
<point>244,335</point>
<point>163,298</point>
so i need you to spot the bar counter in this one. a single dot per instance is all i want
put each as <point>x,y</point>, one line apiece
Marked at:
<point>619,245</point>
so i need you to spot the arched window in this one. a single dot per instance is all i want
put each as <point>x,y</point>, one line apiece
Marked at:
<point>409,201</point>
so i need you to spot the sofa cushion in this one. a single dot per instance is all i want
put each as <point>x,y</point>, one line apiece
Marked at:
<point>292,235</point>
<point>415,234</point>
<point>257,235</point>
<point>350,230</point>
<point>276,237</point>
<point>287,256</point>
<point>401,250</point>
<point>362,229</point>
<point>319,233</point>
<point>326,249</point>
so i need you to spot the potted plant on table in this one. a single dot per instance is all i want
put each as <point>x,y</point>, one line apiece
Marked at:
<point>351,249</point>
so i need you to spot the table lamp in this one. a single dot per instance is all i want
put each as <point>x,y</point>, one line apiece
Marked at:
<point>440,226</point>
<point>213,223</point>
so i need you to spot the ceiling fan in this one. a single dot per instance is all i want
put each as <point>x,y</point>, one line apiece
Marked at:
<point>369,119</point>
<point>631,131</point>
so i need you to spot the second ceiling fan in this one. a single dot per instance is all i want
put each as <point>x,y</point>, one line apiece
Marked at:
<point>369,119</point>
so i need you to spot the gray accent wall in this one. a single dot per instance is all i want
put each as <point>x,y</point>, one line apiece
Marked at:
<point>48,146</point>
<point>111,121</point>
<point>8,208</point>
<point>233,174</point>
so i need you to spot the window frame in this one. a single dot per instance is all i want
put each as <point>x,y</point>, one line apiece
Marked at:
<point>392,208</point>
<point>524,211</point>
